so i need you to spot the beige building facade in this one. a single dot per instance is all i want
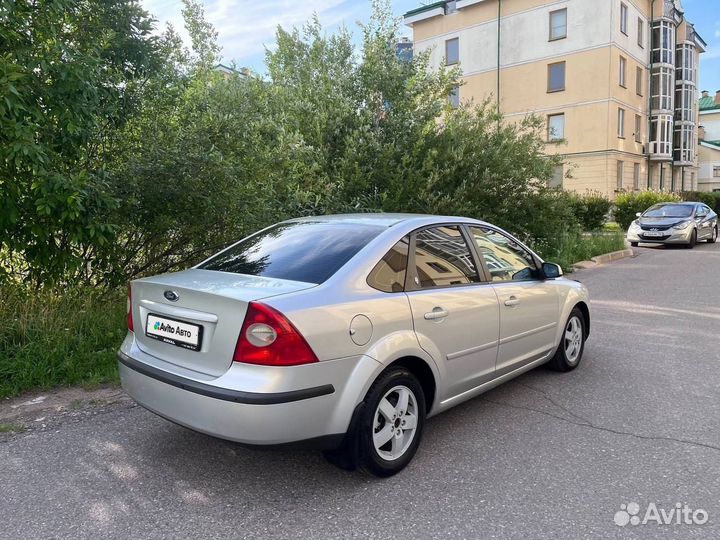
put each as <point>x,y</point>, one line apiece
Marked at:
<point>709,149</point>
<point>615,81</point>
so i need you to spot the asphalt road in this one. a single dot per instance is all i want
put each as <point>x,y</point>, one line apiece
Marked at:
<point>544,456</point>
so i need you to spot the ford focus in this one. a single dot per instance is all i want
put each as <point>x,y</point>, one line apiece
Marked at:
<point>345,333</point>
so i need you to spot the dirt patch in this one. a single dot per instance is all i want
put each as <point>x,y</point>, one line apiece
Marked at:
<point>39,411</point>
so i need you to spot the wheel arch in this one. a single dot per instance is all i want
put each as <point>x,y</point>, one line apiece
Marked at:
<point>424,373</point>
<point>585,310</point>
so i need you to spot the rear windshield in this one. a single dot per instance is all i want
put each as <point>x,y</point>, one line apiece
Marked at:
<point>301,251</point>
<point>670,211</point>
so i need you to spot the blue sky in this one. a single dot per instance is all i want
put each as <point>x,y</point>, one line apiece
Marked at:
<point>247,27</point>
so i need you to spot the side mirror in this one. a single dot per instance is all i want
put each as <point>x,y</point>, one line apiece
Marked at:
<point>638,214</point>
<point>551,270</point>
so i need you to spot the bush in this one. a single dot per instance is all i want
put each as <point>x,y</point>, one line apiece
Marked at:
<point>49,340</point>
<point>629,204</point>
<point>702,196</point>
<point>590,210</point>
<point>716,204</point>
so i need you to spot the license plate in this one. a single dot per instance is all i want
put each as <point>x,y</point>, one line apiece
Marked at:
<point>654,233</point>
<point>174,332</point>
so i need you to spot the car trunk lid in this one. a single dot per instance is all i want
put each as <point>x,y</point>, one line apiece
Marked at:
<point>193,318</point>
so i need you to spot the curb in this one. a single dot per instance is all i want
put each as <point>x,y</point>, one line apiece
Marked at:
<point>603,259</point>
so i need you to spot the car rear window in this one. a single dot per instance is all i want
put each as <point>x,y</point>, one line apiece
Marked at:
<point>306,251</point>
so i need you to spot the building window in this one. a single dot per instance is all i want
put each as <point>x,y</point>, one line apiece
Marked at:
<point>685,69</point>
<point>638,128</point>
<point>558,24</point>
<point>556,127</point>
<point>624,19</point>
<point>685,103</point>
<point>623,72</point>
<point>716,171</point>
<point>556,77</point>
<point>661,127</point>
<point>663,84</point>
<point>641,33</point>
<point>556,181</point>
<point>636,177</point>
<point>452,51</point>
<point>621,123</point>
<point>620,174</point>
<point>663,42</point>
<point>639,75</point>
<point>684,144</point>
<point>454,98</point>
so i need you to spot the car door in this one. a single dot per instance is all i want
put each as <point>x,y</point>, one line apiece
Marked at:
<point>455,313</point>
<point>529,305</point>
<point>704,224</point>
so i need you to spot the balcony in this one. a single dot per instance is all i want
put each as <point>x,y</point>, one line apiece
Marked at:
<point>661,138</point>
<point>684,145</point>
<point>663,39</point>
<point>686,63</point>
<point>662,96</point>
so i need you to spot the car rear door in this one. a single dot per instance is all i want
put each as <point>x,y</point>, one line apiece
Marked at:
<point>529,305</point>
<point>455,313</point>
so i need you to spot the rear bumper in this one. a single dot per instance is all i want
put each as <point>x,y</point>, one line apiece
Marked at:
<point>224,394</point>
<point>255,405</point>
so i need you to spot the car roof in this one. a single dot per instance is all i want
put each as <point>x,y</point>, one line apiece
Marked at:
<point>382,219</point>
<point>680,203</point>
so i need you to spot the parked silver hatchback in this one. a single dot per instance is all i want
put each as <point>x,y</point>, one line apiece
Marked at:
<point>346,332</point>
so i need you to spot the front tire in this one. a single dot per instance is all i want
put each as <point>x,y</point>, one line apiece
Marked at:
<point>389,425</point>
<point>693,240</point>
<point>713,236</point>
<point>572,343</point>
<point>634,244</point>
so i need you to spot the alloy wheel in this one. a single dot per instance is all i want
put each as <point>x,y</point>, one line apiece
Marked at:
<point>573,340</point>
<point>395,423</point>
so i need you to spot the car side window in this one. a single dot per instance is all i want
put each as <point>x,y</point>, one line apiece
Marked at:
<point>506,259</point>
<point>443,258</point>
<point>702,211</point>
<point>389,274</point>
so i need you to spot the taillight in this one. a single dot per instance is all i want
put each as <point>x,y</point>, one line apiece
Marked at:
<point>268,338</point>
<point>129,310</point>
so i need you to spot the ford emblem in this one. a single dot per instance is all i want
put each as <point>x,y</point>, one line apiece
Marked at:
<point>171,295</point>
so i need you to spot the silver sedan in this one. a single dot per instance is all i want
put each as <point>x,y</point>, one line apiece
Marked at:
<point>684,223</point>
<point>346,332</point>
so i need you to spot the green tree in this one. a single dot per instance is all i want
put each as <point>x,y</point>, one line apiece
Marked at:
<point>69,74</point>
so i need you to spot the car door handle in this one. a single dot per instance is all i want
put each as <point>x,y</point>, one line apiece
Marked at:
<point>436,313</point>
<point>512,301</point>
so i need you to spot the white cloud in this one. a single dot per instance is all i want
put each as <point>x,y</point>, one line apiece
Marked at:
<point>246,27</point>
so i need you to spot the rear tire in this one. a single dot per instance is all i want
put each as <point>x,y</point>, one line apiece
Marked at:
<point>713,236</point>
<point>387,427</point>
<point>572,343</point>
<point>693,240</point>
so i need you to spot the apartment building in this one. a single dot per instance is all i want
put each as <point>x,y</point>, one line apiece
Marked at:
<point>615,81</point>
<point>709,147</point>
